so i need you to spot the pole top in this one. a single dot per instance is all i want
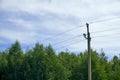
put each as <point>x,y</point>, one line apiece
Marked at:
<point>87,24</point>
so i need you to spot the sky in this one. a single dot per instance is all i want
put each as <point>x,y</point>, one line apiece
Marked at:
<point>61,23</point>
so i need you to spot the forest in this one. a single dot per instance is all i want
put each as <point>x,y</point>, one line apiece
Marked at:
<point>43,63</point>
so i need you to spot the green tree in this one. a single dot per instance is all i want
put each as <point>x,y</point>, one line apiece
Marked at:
<point>15,59</point>
<point>56,71</point>
<point>115,71</point>
<point>35,61</point>
<point>79,72</point>
<point>3,65</point>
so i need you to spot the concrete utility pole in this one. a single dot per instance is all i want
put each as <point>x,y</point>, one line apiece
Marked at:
<point>89,54</point>
<point>119,56</point>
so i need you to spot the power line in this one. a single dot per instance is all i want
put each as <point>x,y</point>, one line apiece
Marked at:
<point>82,35</point>
<point>69,30</point>
<point>71,41</point>
<point>92,37</point>
<point>68,45</point>
<point>105,30</point>
<point>59,34</point>
<point>105,35</point>
<point>99,31</point>
<point>102,20</point>
<point>71,38</point>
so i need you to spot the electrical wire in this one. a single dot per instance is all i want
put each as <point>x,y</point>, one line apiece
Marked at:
<point>62,33</point>
<point>97,31</point>
<point>102,20</point>
<point>57,43</point>
<point>69,30</point>
<point>105,35</point>
<point>68,45</point>
<point>105,30</point>
<point>94,36</point>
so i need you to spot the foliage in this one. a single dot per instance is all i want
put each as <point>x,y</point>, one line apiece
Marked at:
<point>42,63</point>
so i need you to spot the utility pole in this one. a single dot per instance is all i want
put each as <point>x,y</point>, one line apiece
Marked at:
<point>89,54</point>
<point>119,56</point>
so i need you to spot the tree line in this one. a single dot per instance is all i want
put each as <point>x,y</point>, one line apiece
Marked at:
<point>42,63</point>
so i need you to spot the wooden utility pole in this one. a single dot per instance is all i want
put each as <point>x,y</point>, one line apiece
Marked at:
<point>89,54</point>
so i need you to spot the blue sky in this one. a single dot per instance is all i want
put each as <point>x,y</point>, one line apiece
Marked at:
<point>31,21</point>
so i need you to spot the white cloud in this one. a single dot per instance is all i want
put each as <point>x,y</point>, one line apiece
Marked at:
<point>79,8</point>
<point>21,22</point>
<point>82,10</point>
<point>23,37</point>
